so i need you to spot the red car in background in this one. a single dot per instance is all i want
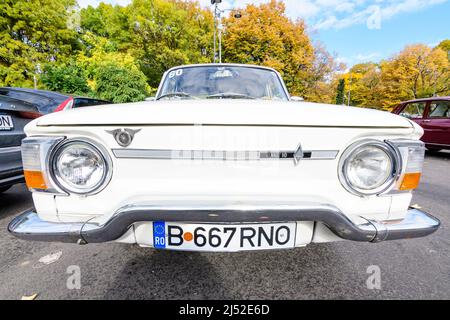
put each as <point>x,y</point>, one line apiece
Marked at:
<point>433,115</point>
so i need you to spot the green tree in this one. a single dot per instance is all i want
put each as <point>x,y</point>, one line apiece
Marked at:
<point>159,34</point>
<point>120,84</point>
<point>169,33</point>
<point>66,78</point>
<point>340,92</point>
<point>33,33</point>
<point>110,22</point>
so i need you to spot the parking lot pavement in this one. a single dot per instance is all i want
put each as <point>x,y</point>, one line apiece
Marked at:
<point>418,268</point>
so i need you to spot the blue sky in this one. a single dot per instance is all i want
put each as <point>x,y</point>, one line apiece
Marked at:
<point>360,30</point>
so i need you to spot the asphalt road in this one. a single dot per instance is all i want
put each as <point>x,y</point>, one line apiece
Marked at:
<point>416,269</point>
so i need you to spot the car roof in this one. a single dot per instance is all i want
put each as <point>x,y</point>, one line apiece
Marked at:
<point>221,65</point>
<point>11,104</point>
<point>46,93</point>
<point>45,101</point>
<point>427,99</point>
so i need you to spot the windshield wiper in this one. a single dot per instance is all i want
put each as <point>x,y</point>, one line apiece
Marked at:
<point>175,94</point>
<point>231,95</point>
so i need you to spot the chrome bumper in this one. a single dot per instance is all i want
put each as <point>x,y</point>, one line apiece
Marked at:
<point>6,182</point>
<point>417,223</point>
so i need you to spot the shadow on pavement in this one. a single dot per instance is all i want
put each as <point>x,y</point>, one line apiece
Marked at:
<point>445,154</point>
<point>302,273</point>
<point>167,275</point>
<point>15,200</point>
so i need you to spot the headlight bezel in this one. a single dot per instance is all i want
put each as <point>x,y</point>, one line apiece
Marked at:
<point>390,150</point>
<point>98,148</point>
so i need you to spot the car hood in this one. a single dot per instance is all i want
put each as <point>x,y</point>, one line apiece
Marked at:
<point>225,112</point>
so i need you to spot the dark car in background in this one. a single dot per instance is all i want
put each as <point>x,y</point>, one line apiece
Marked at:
<point>433,115</point>
<point>14,115</point>
<point>18,107</point>
<point>49,101</point>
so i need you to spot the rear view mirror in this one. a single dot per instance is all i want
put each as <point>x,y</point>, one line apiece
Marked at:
<point>297,99</point>
<point>221,73</point>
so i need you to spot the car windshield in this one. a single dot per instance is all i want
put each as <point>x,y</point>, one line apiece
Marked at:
<point>222,82</point>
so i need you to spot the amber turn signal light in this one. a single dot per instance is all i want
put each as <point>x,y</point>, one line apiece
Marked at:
<point>35,180</point>
<point>410,181</point>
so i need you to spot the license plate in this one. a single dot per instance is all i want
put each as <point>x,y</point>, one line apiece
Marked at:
<point>223,237</point>
<point>6,122</point>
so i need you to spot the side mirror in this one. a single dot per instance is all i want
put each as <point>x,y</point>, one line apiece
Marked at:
<point>297,99</point>
<point>150,99</point>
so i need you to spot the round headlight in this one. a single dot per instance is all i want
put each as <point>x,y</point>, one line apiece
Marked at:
<point>80,167</point>
<point>368,168</point>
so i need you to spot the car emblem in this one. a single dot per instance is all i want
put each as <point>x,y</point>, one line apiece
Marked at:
<point>298,154</point>
<point>123,137</point>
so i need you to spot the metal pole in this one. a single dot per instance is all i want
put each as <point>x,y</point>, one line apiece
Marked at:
<point>349,90</point>
<point>215,27</point>
<point>435,83</point>
<point>220,44</point>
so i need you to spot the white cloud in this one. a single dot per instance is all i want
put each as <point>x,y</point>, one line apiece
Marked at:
<point>367,57</point>
<point>94,3</point>
<point>355,12</point>
<point>325,14</point>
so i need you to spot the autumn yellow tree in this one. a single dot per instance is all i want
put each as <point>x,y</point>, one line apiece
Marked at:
<point>445,45</point>
<point>264,35</point>
<point>362,84</point>
<point>417,71</point>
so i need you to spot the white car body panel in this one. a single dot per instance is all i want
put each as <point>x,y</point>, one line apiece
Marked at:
<point>226,112</point>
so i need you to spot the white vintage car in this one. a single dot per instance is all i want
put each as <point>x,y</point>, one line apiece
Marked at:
<point>222,160</point>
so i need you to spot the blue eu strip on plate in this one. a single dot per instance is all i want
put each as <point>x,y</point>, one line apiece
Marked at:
<point>159,234</point>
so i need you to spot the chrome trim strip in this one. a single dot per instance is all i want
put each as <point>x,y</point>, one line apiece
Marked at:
<point>168,154</point>
<point>15,179</point>
<point>10,149</point>
<point>436,144</point>
<point>29,226</point>
<point>322,154</point>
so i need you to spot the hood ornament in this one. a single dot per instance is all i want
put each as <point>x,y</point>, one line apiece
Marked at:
<point>123,137</point>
